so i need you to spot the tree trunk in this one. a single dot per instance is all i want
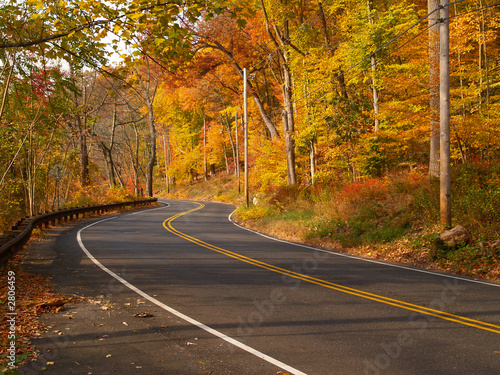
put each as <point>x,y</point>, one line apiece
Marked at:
<point>224,151</point>
<point>108,160</point>
<point>81,123</point>
<point>290,150</point>
<point>375,92</point>
<point>227,123</point>
<point>434,87</point>
<point>152,155</point>
<point>281,39</point>
<point>486,62</point>
<point>265,117</point>
<point>6,87</point>
<point>205,163</point>
<point>165,152</point>
<point>107,150</point>
<point>149,87</point>
<point>135,163</point>
<point>312,159</point>
<point>84,155</point>
<point>289,130</point>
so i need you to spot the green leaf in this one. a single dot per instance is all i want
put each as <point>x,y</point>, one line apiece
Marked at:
<point>241,23</point>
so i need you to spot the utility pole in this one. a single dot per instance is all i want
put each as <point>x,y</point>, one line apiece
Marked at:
<point>444,98</point>
<point>245,125</point>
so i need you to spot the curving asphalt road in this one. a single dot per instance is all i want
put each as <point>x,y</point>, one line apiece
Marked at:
<point>225,300</point>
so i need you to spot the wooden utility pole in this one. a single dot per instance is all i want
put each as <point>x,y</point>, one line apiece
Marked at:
<point>245,125</point>
<point>444,95</point>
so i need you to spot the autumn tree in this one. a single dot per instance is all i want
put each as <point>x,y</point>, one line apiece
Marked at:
<point>279,33</point>
<point>223,35</point>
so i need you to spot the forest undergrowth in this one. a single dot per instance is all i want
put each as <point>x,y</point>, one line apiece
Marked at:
<point>393,218</point>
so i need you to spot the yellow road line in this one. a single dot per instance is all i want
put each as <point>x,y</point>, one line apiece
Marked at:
<point>167,224</point>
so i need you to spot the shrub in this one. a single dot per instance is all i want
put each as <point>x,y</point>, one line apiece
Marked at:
<point>476,200</point>
<point>252,212</point>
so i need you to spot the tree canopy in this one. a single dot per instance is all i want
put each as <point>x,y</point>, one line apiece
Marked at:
<point>339,89</point>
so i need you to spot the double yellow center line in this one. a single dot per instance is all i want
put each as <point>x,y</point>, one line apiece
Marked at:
<point>344,289</point>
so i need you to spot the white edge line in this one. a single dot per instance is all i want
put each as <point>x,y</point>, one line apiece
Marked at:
<point>362,259</point>
<point>192,321</point>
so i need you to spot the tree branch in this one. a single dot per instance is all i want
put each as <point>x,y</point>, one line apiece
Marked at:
<point>87,25</point>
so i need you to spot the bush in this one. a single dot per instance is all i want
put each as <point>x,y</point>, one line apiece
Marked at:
<point>476,200</point>
<point>252,212</point>
<point>118,194</point>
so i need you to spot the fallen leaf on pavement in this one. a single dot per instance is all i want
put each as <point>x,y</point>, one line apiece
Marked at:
<point>143,315</point>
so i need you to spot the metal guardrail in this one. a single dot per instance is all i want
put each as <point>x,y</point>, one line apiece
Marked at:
<point>13,241</point>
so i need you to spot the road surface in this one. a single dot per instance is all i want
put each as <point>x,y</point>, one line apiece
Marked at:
<point>241,303</point>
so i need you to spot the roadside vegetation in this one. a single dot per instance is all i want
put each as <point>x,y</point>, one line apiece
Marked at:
<point>393,218</point>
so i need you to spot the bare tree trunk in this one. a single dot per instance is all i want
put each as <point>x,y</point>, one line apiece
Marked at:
<point>434,87</point>
<point>81,124</point>
<point>227,122</point>
<point>165,152</point>
<point>135,176</point>
<point>375,92</point>
<point>118,175</point>
<point>312,159</point>
<point>6,87</point>
<point>281,39</point>
<point>30,174</point>
<point>149,86</point>
<point>224,151</point>
<point>84,154</point>
<point>462,97</point>
<point>152,155</point>
<point>107,151</point>
<point>205,165</point>
<point>290,150</point>
<point>483,49</point>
